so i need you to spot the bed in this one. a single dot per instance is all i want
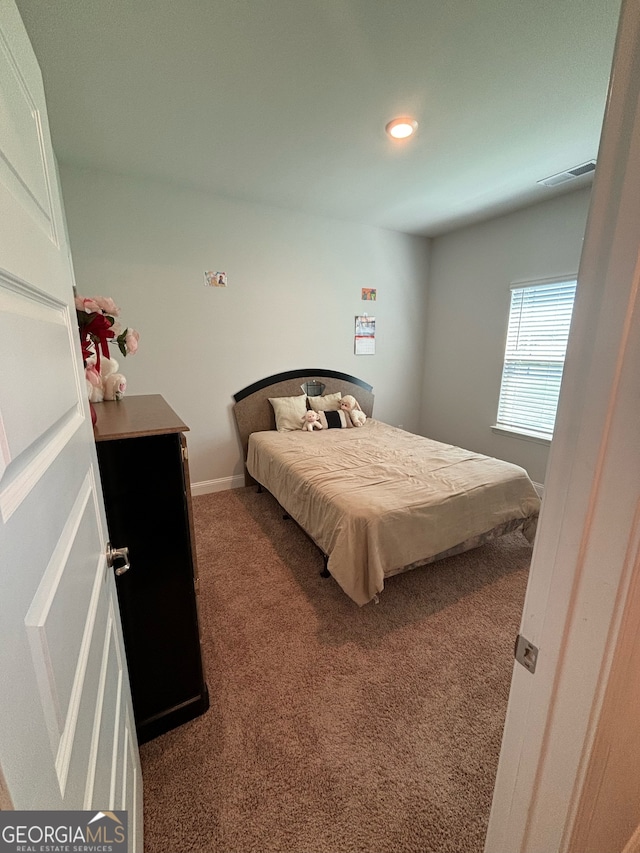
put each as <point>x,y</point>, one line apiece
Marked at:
<point>376,500</point>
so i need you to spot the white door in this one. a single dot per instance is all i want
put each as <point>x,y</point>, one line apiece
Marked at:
<point>67,737</point>
<point>586,560</point>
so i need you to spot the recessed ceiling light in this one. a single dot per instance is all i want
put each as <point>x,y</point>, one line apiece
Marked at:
<point>402,128</point>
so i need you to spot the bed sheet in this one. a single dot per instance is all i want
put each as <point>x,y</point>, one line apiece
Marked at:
<point>378,499</point>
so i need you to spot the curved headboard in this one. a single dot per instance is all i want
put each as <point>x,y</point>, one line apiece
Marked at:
<point>254,413</point>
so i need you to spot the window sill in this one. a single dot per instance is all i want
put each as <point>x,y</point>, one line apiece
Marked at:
<point>518,433</point>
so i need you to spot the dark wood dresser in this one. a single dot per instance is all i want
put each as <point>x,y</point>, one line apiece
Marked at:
<point>142,454</point>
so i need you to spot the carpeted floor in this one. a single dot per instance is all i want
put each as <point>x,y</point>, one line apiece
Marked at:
<point>334,728</point>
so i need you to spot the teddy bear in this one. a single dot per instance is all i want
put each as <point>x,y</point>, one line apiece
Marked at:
<point>108,384</point>
<point>311,420</point>
<point>114,386</point>
<point>351,407</point>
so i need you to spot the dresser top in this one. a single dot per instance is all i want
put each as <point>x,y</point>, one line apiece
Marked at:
<point>133,417</point>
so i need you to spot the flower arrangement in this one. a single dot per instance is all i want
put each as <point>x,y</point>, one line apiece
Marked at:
<point>98,328</point>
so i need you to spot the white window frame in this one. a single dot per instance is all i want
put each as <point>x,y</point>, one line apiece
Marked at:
<point>526,344</point>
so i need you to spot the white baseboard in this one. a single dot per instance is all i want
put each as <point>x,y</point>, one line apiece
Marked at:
<point>205,487</point>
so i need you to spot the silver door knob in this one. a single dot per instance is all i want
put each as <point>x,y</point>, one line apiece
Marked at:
<point>114,554</point>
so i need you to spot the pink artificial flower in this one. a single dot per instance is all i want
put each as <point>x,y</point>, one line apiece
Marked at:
<point>131,341</point>
<point>98,329</point>
<point>106,304</point>
<point>90,306</point>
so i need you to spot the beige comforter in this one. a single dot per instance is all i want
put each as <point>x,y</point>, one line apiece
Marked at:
<point>377,499</point>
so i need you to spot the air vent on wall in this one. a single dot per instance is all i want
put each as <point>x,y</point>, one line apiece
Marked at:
<point>569,175</point>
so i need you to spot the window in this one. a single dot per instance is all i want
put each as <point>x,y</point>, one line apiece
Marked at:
<point>539,321</point>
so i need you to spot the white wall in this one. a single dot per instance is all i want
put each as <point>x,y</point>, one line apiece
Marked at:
<point>467,311</point>
<point>294,289</point>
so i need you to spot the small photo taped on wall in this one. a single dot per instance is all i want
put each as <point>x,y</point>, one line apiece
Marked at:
<point>215,279</point>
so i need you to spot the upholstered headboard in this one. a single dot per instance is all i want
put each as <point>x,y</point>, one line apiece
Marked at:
<point>254,413</point>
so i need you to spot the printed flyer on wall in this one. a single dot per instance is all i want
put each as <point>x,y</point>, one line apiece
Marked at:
<point>365,337</point>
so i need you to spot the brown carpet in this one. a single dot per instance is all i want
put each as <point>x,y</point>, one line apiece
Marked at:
<point>334,728</point>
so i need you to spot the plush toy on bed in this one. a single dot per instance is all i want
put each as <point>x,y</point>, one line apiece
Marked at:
<point>311,421</point>
<point>350,405</point>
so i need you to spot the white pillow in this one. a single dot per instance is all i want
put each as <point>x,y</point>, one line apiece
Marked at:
<point>289,412</point>
<point>326,403</point>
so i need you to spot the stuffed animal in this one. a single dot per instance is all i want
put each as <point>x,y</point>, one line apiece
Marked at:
<point>350,405</point>
<point>95,391</point>
<point>108,384</point>
<point>310,421</point>
<point>114,386</point>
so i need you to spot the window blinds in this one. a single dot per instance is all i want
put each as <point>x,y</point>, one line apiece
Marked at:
<point>539,321</point>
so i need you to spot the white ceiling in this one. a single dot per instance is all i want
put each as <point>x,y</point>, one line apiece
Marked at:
<point>284,102</point>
